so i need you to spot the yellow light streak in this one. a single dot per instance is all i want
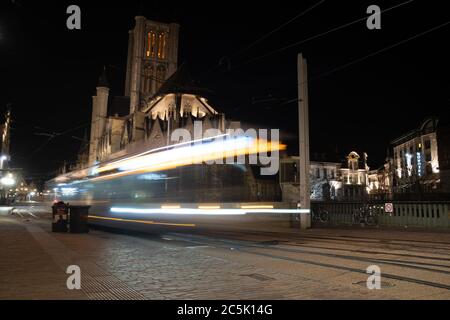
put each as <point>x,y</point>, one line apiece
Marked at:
<point>209,207</point>
<point>256,146</point>
<point>171,207</point>
<point>143,221</point>
<point>257,207</point>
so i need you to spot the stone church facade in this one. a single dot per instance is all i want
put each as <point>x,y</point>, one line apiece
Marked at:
<point>160,97</point>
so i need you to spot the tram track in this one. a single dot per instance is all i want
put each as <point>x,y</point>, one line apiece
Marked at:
<point>284,237</point>
<point>369,252</point>
<point>288,242</point>
<point>400,263</point>
<point>247,248</point>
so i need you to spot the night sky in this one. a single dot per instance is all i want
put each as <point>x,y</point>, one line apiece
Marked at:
<point>49,73</point>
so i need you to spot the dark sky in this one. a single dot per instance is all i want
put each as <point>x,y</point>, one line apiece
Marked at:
<point>49,73</point>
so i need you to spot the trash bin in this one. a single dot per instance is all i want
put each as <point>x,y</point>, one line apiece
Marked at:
<point>78,216</point>
<point>60,212</point>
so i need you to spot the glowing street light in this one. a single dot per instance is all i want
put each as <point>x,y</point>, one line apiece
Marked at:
<point>8,180</point>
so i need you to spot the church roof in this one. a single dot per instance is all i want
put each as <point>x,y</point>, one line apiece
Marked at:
<point>179,91</point>
<point>180,82</point>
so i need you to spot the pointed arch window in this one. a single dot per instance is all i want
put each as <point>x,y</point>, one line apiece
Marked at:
<point>160,75</point>
<point>162,45</point>
<point>151,44</point>
<point>147,79</point>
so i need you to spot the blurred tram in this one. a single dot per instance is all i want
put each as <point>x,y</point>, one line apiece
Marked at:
<point>176,187</point>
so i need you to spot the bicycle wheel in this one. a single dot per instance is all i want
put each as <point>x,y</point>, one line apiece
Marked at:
<point>324,216</point>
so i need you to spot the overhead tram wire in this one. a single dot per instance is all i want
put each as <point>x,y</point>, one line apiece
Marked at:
<point>251,45</point>
<point>380,51</point>
<point>309,39</point>
<point>54,135</point>
<point>315,36</point>
<point>312,38</point>
<point>353,62</point>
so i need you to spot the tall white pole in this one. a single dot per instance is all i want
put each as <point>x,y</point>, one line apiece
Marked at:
<point>303,123</point>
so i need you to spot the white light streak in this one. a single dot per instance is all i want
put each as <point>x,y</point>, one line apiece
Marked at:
<point>195,211</point>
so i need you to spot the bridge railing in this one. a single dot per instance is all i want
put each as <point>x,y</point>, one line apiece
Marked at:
<point>403,214</point>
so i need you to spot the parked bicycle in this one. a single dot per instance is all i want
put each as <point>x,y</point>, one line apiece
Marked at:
<point>320,214</point>
<point>366,214</point>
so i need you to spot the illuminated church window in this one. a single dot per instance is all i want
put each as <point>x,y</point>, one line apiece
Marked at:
<point>162,46</point>
<point>151,44</point>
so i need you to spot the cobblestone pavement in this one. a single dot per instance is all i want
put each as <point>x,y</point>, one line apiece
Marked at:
<point>313,264</point>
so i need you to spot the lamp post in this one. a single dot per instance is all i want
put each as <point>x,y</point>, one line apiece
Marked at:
<point>303,124</point>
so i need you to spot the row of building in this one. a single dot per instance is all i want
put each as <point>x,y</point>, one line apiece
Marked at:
<point>417,167</point>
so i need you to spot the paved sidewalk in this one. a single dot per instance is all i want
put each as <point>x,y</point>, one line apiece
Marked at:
<point>33,261</point>
<point>33,265</point>
<point>27,271</point>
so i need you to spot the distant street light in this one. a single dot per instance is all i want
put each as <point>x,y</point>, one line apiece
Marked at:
<point>8,180</point>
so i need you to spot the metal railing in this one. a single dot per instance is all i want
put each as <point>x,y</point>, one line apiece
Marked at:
<point>403,214</point>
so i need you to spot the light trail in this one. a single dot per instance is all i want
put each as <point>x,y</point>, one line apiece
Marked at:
<point>206,211</point>
<point>143,221</point>
<point>196,154</point>
<point>110,165</point>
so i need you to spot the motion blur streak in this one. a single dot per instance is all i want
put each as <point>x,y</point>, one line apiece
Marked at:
<point>143,222</point>
<point>184,156</point>
<point>110,165</point>
<point>193,211</point>
<point>257,207</point>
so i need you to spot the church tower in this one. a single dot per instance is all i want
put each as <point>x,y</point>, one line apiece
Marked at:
<point>99,114</point>
<point>152,59</point>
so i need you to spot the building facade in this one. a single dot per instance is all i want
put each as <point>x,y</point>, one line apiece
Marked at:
<point>443,139</point>
<point>152,59</point>
<point>354,178</point>
<point>416,160</point>
<point>339,181</point>
<point>380,181</point>
<point>323,178</point>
